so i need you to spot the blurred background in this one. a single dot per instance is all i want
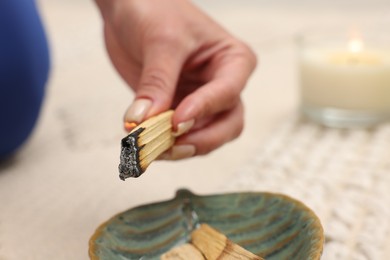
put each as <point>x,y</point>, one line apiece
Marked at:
<point>64,182</point>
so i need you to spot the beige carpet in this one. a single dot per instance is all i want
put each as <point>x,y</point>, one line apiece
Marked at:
<point>343,175</point>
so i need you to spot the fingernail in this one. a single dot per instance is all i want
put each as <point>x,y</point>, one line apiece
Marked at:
<point>184,127</point>
<point>137,110</point>
<point>165,155</point>
<point>178,152</point>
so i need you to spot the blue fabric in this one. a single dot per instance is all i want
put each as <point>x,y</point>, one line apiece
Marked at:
<point>24,68</point>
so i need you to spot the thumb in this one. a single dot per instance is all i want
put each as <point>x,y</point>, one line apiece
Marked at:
<point>156,88</point>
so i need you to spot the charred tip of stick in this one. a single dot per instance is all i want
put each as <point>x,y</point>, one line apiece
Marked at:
<point>129,165</point>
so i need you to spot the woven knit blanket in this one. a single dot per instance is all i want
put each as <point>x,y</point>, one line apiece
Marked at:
<point>343,175</point>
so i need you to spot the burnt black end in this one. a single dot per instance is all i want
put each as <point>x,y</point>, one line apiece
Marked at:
<point>129,165</point>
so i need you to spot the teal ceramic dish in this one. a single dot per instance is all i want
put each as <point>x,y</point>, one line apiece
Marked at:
<point>270,225</point>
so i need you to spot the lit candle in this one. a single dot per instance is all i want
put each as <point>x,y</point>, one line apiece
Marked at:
<point>347,86</point>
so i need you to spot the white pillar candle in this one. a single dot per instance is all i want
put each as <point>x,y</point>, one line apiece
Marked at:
<point>349,85</point>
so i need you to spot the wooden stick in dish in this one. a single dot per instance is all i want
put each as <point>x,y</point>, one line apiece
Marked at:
<point>144,144</point>
<point>183,252</point>
<point>215,245</point>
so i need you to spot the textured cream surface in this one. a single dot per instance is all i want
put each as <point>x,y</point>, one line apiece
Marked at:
<point>64,182</point>
<point>343,175</point>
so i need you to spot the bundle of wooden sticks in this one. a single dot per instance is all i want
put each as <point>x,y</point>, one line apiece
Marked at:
<point>144,144</point>
<point>209,244</point>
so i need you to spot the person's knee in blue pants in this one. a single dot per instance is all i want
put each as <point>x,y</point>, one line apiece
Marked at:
<point>24,68</point>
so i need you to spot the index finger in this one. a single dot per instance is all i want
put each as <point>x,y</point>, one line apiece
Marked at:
<point>231,71</point>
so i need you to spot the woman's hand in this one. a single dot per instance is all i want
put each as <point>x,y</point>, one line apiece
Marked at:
<point>174,56</point>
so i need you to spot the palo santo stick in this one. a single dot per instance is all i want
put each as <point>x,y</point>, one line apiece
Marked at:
<point>144,144</point>
<point>183,252</point>
<point>215,245</point>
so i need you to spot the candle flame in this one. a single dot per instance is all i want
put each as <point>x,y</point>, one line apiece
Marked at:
<point>355,45</point>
